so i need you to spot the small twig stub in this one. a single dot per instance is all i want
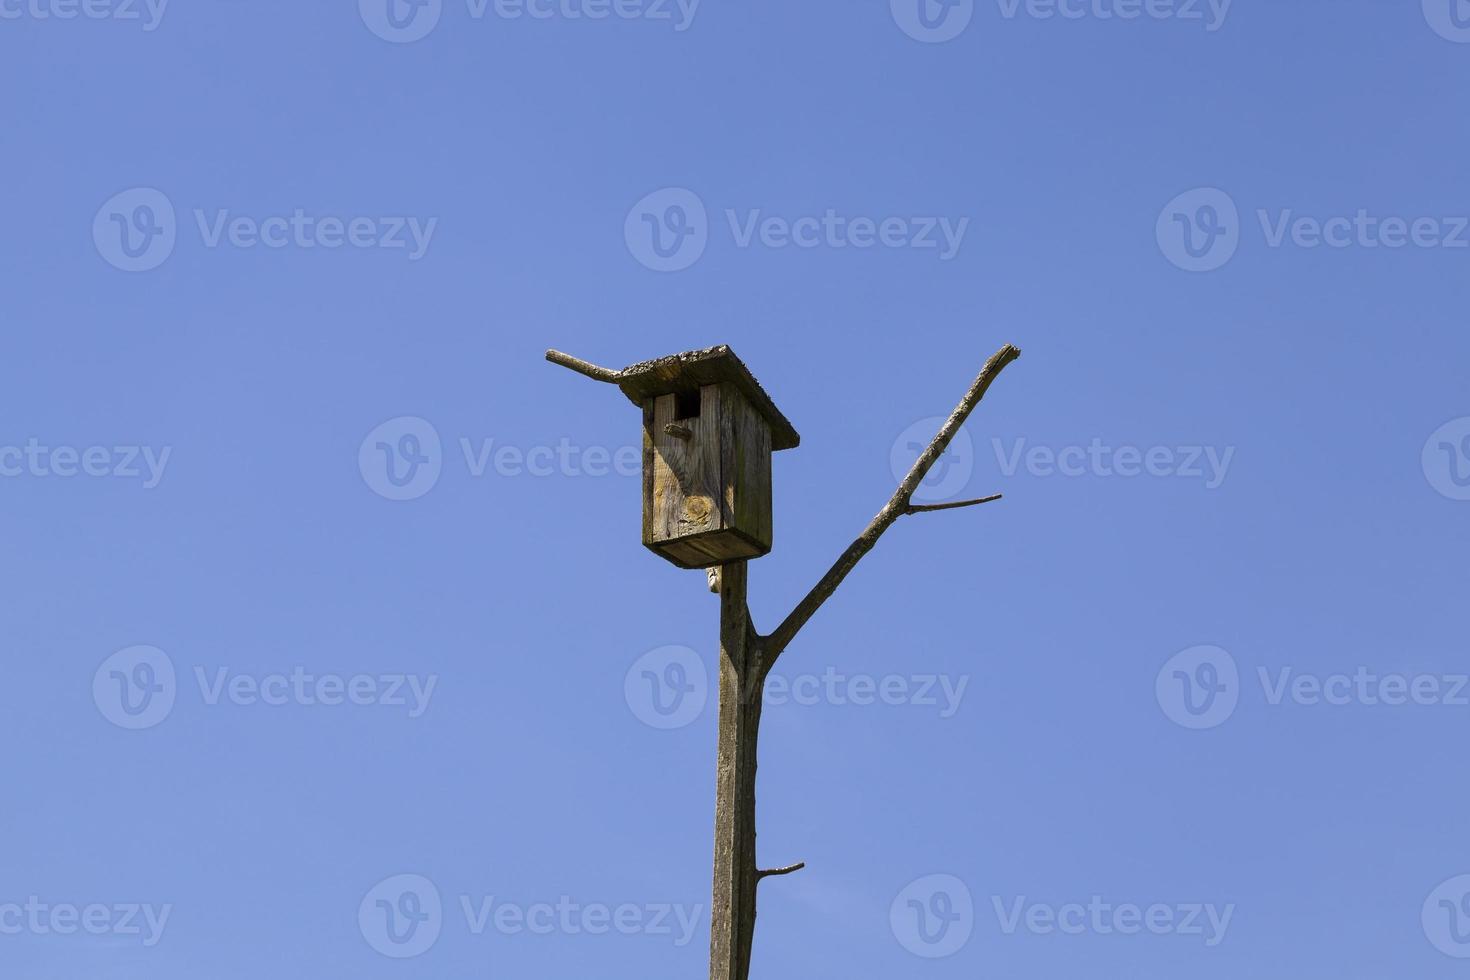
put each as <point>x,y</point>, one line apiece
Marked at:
<point>927,508</point>
<point>587,368</point>
<point>781,871</point>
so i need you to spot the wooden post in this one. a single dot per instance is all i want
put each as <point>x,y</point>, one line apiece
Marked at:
<point>732,908</point>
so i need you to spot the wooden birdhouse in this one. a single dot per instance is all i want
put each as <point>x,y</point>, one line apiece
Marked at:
<point>708,433</point>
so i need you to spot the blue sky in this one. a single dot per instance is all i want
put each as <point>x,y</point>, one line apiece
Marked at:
<point>1187,701</point>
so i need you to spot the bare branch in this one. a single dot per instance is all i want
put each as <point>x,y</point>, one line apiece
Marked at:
<point>928,508</point>
<point>780,871</point>
<point>582,367</point>
<point>897,506</point>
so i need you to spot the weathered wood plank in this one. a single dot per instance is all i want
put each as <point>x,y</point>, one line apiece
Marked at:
<point>649,464</point>
<point>686,472</point>
<point>745,468</point>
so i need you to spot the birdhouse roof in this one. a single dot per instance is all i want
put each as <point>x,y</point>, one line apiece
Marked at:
<point>692,370</point>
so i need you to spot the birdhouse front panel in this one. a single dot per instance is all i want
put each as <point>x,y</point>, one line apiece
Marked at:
<point>706,476</point>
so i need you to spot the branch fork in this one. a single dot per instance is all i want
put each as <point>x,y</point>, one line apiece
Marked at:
<point>899,505</point>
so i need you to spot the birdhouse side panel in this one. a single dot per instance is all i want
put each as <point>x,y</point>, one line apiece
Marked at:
<point>745,467</point>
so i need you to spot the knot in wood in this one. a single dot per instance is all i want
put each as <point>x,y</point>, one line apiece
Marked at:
<point>697,509</point>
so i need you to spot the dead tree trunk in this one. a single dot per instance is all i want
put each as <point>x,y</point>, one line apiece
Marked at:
<point>732,909</point>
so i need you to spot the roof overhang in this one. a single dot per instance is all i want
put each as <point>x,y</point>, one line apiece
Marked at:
<point>692,370</point>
